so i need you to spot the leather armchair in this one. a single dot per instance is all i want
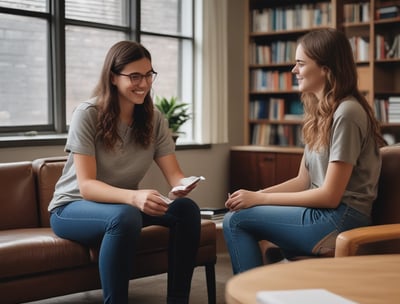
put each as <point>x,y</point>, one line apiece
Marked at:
<point>384,234</point>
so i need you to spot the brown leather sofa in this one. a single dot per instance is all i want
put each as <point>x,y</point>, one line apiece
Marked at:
<point>36,264</point>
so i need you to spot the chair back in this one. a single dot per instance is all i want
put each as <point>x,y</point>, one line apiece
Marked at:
<point>386,208</point>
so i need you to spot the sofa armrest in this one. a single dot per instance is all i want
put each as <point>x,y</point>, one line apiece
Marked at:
<point>348,242</point>
<point>47,171</point>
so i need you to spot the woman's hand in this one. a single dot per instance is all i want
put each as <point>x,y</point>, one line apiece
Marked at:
<point>181,193</point>
<point>243,199</point>
<point>150,202</point>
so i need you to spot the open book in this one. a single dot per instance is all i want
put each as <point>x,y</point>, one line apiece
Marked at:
<point>185,183</point>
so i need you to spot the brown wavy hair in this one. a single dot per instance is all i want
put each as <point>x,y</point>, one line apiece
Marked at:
<point>119,55</point>
<point>330,48</point>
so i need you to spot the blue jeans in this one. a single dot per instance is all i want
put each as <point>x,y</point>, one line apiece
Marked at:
<point>296,230</point>
<point>116,229</point>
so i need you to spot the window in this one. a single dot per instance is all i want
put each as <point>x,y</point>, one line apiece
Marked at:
<point>51,53</point>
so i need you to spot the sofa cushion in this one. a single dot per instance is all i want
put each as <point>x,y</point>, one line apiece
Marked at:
<point>36,250</point>
<point>17,196</point>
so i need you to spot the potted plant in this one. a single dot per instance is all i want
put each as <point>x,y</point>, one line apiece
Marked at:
<point>175,112</point>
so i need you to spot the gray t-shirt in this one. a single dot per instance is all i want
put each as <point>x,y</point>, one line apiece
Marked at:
<point>123,167</point>
<point>350,143</point>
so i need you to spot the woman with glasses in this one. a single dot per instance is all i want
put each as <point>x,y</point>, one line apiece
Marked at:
<point>112,141</point>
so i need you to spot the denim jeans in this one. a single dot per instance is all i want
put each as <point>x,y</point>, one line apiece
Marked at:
<point>115,228</point>
<point>296,230</point>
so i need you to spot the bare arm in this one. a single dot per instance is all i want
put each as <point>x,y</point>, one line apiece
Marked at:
<point>170,168</point>
<point>148,201</point>
<point>326,196</point>
<point>173,173</point>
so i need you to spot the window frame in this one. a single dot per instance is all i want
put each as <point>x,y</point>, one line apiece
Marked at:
<point>56,131</point>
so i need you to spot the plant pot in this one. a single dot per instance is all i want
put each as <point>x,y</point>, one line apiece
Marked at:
<point>175,136</point>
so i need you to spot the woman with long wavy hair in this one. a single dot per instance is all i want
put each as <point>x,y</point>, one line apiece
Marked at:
<point>338,175</point>
<point>113,139</point>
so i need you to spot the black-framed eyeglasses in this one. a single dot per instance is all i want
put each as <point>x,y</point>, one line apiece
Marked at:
<point>137,78</point>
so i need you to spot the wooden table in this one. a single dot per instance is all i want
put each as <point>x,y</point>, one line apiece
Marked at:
<point>363,279</point>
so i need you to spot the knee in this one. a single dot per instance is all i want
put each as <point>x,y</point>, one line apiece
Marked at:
<point>185,208</point>
<point>126,220</point>
<point>227,220</point>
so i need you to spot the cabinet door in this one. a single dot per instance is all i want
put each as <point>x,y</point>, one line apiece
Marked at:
<point>243,171</point>
<point>287,166</point>
<point>266,169</point>
<point>257,170</point>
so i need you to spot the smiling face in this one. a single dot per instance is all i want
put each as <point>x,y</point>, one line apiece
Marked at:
<point>310,76</point>
<point>128,93</point>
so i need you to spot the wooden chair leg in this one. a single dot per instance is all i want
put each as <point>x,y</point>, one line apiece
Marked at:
<point>211,284</point>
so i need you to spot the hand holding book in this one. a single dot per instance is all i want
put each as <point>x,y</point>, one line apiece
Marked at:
<point>187,184</point>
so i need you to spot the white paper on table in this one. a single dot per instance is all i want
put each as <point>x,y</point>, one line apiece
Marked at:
<point>301,296</point>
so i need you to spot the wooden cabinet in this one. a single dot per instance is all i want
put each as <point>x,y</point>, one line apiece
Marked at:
<point>254,168</point>
<point>272,105</point>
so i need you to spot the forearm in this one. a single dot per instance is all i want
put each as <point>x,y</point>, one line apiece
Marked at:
<point>171,169</point>
<point>95,190</point>
<point>314,198</point>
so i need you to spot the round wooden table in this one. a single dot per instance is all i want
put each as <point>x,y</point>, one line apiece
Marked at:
<point>363,279</point>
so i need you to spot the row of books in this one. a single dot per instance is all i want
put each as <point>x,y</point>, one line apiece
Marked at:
<point>385,49</point>
<point>266,80</point>
<point>360,12</point>
<point>282,135</point>
<point>389,11</point>
<point>275,53</point>
<point>356,12</point>
<point>275,108</point>
<point>387,110</point>
<point>291,17</point>
<point>394,109</point>
<point>360,47</point>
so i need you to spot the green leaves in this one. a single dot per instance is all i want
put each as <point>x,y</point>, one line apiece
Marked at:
<point>175,112</point>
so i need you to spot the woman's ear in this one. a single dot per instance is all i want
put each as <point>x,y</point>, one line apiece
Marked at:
<point>325,70</point>
<point>112,78</point>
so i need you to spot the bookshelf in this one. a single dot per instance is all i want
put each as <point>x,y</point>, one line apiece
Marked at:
<point>273,111</point>
<point>374,27</point>
<point>272,106</point>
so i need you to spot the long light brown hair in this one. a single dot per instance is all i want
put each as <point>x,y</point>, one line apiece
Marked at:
<point>331,49</point>
<point>119,55</point>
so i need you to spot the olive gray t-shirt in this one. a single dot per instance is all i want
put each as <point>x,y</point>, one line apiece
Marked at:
<point>350,143</point>
<point>123,167</point>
